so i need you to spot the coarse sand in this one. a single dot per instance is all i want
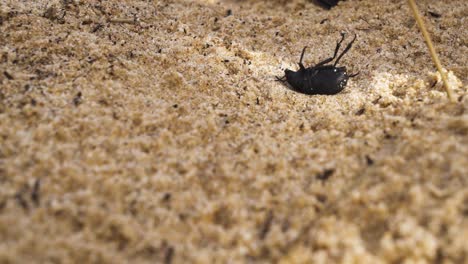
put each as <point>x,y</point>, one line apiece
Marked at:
<point>155,132</point>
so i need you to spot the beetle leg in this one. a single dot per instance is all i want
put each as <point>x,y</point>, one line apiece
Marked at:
<point>337,48</point>
<point>348,47</point>
<point>302,56</point>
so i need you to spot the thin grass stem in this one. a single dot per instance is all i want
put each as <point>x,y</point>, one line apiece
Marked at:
<point>432,50</point>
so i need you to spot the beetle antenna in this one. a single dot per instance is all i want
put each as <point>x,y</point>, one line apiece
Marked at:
<point>302,56</point>
<point>282,79</point>
<point>353,75</point>
<point>348,47</point>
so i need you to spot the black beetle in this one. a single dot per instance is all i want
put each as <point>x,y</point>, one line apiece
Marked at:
<point>321,78</point>
<point>328,3</point>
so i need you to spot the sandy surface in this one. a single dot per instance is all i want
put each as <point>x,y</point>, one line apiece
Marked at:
<point>153,131</point>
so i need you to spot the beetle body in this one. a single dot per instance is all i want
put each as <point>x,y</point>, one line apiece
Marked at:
<point>321,78</point>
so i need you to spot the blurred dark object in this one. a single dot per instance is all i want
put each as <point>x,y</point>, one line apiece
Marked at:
<point>327,3</point>
<point>434,14</point>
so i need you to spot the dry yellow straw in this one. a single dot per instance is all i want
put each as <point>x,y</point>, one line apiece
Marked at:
<point>432,51</point>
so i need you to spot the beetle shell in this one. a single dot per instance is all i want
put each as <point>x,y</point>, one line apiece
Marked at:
<point>322,80</point>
